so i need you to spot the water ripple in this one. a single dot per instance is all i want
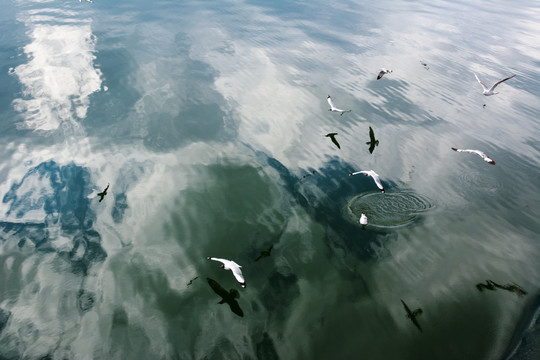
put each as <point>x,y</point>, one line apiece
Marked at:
<point>389,210</point>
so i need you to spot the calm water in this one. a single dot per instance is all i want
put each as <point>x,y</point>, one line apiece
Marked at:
<point>208,119</point>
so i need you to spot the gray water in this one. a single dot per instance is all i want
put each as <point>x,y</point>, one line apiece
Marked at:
<point>208,119</point>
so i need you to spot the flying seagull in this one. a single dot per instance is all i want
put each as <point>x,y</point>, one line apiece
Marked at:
<point>373,174</point>
<point>234,267</point>
<point>412,314</point>
<point>102,194</point>
<point>265,253</point>
<point>228,297</point>
<point>334,140</point>
<point>489,91</point>
<point>477,152</point>
<point>333,108</point>
<point>372,141</point>
<point>383,72</point>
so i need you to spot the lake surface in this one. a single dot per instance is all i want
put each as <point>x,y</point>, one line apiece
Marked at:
<point>207,120</point>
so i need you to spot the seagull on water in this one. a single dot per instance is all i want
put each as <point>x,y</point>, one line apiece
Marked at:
<point>372,141</point>
<point>373,174</point>
<point>334,140</point>
<point>489,91</point>
<point>383,72</point>
<point>334,108</point>
<point>102,194</point>
<point>477,152</point>
<point>363,219</point>
<point>412,314</point>
<point>234,267</point>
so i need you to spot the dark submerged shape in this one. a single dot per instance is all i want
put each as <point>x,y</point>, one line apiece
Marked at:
<point>228,297</point>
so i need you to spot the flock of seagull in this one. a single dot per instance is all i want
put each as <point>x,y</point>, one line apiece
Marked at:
<point>231,296</point>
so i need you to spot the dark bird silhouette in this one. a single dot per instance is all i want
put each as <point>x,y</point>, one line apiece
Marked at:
<point>492,285</point>
<point>372,141</point>
<point>412,314</point>
<point>102,194</point>
<point>192,280</point>
<point>228,297</point>
<point>265,253</point>
<point>334,140</point>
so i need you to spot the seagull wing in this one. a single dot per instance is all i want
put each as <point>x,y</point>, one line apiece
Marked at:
<point>481,83</point>
<point>498,82</point>
<point>224,261</point>
<point>375,177</point>
<point>235,268</point>
<point>331,103</point>
<point>381,73</point>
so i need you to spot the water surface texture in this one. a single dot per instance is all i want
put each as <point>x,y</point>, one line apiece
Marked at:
<point>207,119</point>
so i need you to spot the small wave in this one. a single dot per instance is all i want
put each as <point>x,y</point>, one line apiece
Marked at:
<point>388,210</point>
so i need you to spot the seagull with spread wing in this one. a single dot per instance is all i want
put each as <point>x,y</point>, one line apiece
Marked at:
<point>477,152</point>
<point>234,267</point>
<point>490,91</point>
<point>373,174</point>
<point>383,72</point>
<point>334,108</point>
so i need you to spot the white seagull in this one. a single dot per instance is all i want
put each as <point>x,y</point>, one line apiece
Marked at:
<point>477,152</point>
<point>383,71</point>
<point>373,174</point>
<point>334,108</point>
<point>363,219</point>
<point>234,267</point>
<point>489,92</point>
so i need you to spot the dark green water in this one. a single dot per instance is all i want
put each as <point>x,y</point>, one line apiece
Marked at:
<point>208,119</point>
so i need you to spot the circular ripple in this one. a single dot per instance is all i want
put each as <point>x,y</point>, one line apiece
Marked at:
<point>389,209</point>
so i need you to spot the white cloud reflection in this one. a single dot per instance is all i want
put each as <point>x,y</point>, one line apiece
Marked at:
<point>59,76</point>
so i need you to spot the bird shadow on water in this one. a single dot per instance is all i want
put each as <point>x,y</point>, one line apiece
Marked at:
<point>227,297</point>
